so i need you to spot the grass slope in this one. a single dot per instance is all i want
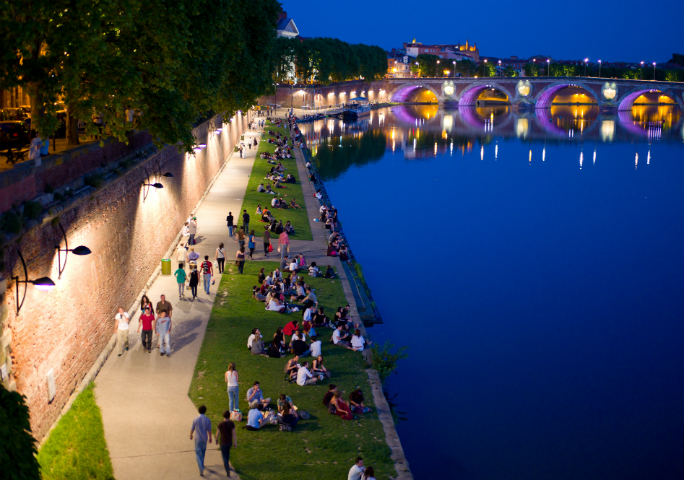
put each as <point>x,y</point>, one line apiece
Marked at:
<point>323,447</point>
<point>76,448</point>
<point>298,217</point>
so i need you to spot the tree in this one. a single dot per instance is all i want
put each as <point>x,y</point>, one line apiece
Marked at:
<point>677,58</point>
<point>510,71</point>
<point>17,448</point>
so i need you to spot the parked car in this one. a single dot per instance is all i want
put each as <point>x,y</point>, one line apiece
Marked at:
<point>13,134</point>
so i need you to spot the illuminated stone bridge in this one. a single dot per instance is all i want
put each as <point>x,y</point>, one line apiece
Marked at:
<point>536,92</point>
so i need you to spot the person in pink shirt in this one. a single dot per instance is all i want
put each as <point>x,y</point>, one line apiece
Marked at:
<point>283,244</point>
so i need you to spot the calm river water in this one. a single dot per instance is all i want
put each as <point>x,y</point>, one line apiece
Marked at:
<point>533,263</point>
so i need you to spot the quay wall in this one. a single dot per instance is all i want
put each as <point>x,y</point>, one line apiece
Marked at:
<point>64,331</point>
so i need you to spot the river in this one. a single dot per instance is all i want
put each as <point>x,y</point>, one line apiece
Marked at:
<point>533,263</point>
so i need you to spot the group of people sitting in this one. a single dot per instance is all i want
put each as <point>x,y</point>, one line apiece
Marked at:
<point>274,290</point>
<point>337,247</point>
<point>337,406</point>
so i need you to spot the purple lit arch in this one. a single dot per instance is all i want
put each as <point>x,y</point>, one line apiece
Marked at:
<point>469,96</point>
<point>404,92</point>
<point>545,98</point>
<point>627,101</point>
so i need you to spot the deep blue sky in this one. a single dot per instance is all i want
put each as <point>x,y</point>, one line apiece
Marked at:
<point>613,31</point>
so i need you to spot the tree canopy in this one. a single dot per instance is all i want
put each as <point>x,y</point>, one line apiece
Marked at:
<point>325,60</point>
<point>171,61</point>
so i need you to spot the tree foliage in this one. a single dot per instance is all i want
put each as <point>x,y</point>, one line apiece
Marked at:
<point>17,445</point>
<point>171,61</point>
<point>325,60</point>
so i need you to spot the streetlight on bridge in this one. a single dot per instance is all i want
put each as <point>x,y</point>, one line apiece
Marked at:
<point>500,73</point>
<point>548,70</point>
<point>599,68</point>
<point>418,72</point>
<point>641,71</point>
<point>654,64</point>
<point>454,62</point>
<point>586,60</point>
<point>483,67</point>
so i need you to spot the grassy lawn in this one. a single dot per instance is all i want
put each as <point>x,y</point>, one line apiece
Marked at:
<point>76,448</point>
<point>298,217</point>
<point>323,447</point>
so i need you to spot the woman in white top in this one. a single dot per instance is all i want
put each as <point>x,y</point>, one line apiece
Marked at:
<point>233,389</point>
<point>358,342</point>
<point>182,255</point>
<point>220,257</point>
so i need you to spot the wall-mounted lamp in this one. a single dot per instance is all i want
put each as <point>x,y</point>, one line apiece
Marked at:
<point>80,251</point>
<point>159,174</point>
<point>43,283</point>
<point>146,186</point>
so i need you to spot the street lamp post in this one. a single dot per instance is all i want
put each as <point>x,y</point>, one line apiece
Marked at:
<point>599,68</point>
<point>437,67</point>
<point>483,68</point>
<point>418,67</point>
<point>500,72</point>
<point>454,62</point>
<point>641,71</point>
<point>586,60</point>
<point>275,99</point>
<point>654,64</point>
<point>548,70</point>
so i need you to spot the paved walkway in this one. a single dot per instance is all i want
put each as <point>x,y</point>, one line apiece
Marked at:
<point>144,400</point>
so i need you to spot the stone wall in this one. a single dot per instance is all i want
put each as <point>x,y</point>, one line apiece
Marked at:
<point>66,329</point>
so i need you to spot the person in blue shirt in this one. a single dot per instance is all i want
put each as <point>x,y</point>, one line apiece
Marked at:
<point>256,419</point>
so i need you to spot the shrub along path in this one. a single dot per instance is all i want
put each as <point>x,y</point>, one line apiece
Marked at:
<point>323,447</point>
<point>297,217</point>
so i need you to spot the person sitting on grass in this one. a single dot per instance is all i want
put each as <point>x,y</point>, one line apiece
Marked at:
<point>301,291</point>
<point>316,346</point>
<point>256,419</point>
<point>329,272</point>
<point>291,328</point>
<point>356,402</point>
<point>310,298</point>
<point>289,416</point>
<point>314,271</point>
<point>289,229</point>
<point>282,401</point>
<point>369,474</point>
<point>290,178</point>
<point>317,367</point>
<point>276,305</point>
<point>261,188</point>
<point>307,328</point>
<point>320,320</point>
<point>341,406</point>
<point>273,350</point>
<point>256,397</point>
<point>356,471</point>
<point>358,343</point>
<point>304,376</point>
<point>250,339</point>
<point>293,203</point>
<point>258,209</point>
<point>256,293</point>
<point>339,338</point>
<point>291,368</point>
<point>258,345</point>
<point>300,347</point>
<point>332,388</point>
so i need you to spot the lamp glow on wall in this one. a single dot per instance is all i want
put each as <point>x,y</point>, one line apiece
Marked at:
<point>44,283</point>
<point>159,174</point>
<point>146,186</point>
<point>80,251</point>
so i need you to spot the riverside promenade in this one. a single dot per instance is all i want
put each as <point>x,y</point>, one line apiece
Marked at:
<point>146,410</point>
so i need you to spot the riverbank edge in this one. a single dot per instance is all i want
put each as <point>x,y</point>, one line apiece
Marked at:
<point>401,464</point>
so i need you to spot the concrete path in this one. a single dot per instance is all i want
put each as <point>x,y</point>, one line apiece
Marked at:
<point>146,410</point>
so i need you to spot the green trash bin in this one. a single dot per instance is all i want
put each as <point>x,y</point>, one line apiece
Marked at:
<point>166,266</point>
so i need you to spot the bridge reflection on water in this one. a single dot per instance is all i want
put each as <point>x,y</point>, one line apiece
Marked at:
<point>423,131</point>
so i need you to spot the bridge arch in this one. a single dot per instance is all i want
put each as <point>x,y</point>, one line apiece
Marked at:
<point>472,92</point>
<point>402,92</point>
<point>627,101</point>
<point>545,97</point>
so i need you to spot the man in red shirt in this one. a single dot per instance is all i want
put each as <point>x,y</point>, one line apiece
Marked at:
<point>207,270</point>
<point>291,328</point>
<point>147,324</point>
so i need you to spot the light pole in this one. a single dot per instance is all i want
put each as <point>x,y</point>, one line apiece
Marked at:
<point>500,72</point>
<point>641,71</point>
<point>437,67</point>
<point>586,60</point>
<point>599,68</point>
<point>418,68</point>
<point>654,63</point>
<point>275,99</point>
<point>483,68</point>
<point>548,70</point>
<point>454,62</point>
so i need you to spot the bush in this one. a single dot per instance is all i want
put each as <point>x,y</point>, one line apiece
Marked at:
<point>17,448</point>
<point>384,361</point>
<point>32,210</point>
<point>10,222</point>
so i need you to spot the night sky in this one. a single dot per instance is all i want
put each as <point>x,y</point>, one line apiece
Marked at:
<point>613,31</point>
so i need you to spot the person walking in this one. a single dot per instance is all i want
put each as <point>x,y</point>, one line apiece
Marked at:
<point>201,429</point>
<point>225,436</point>
<point>162,304</point>
<point>207,272</point>
<point>163,329</point>
<point>267,240</point>
<point>245,221</point>
<point>240,259</point>
<point>240,237</point>
<point>220,257</point>
<point>192,229</point>
<point>180,278</point>
<point>250,245</point>
<point>283,244</point>
<point>121,321</point>
<point>182,255</point>
<point>147,324</point>
<point>229,220</point>
<point>194,281</point>
<point>233,388</point>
